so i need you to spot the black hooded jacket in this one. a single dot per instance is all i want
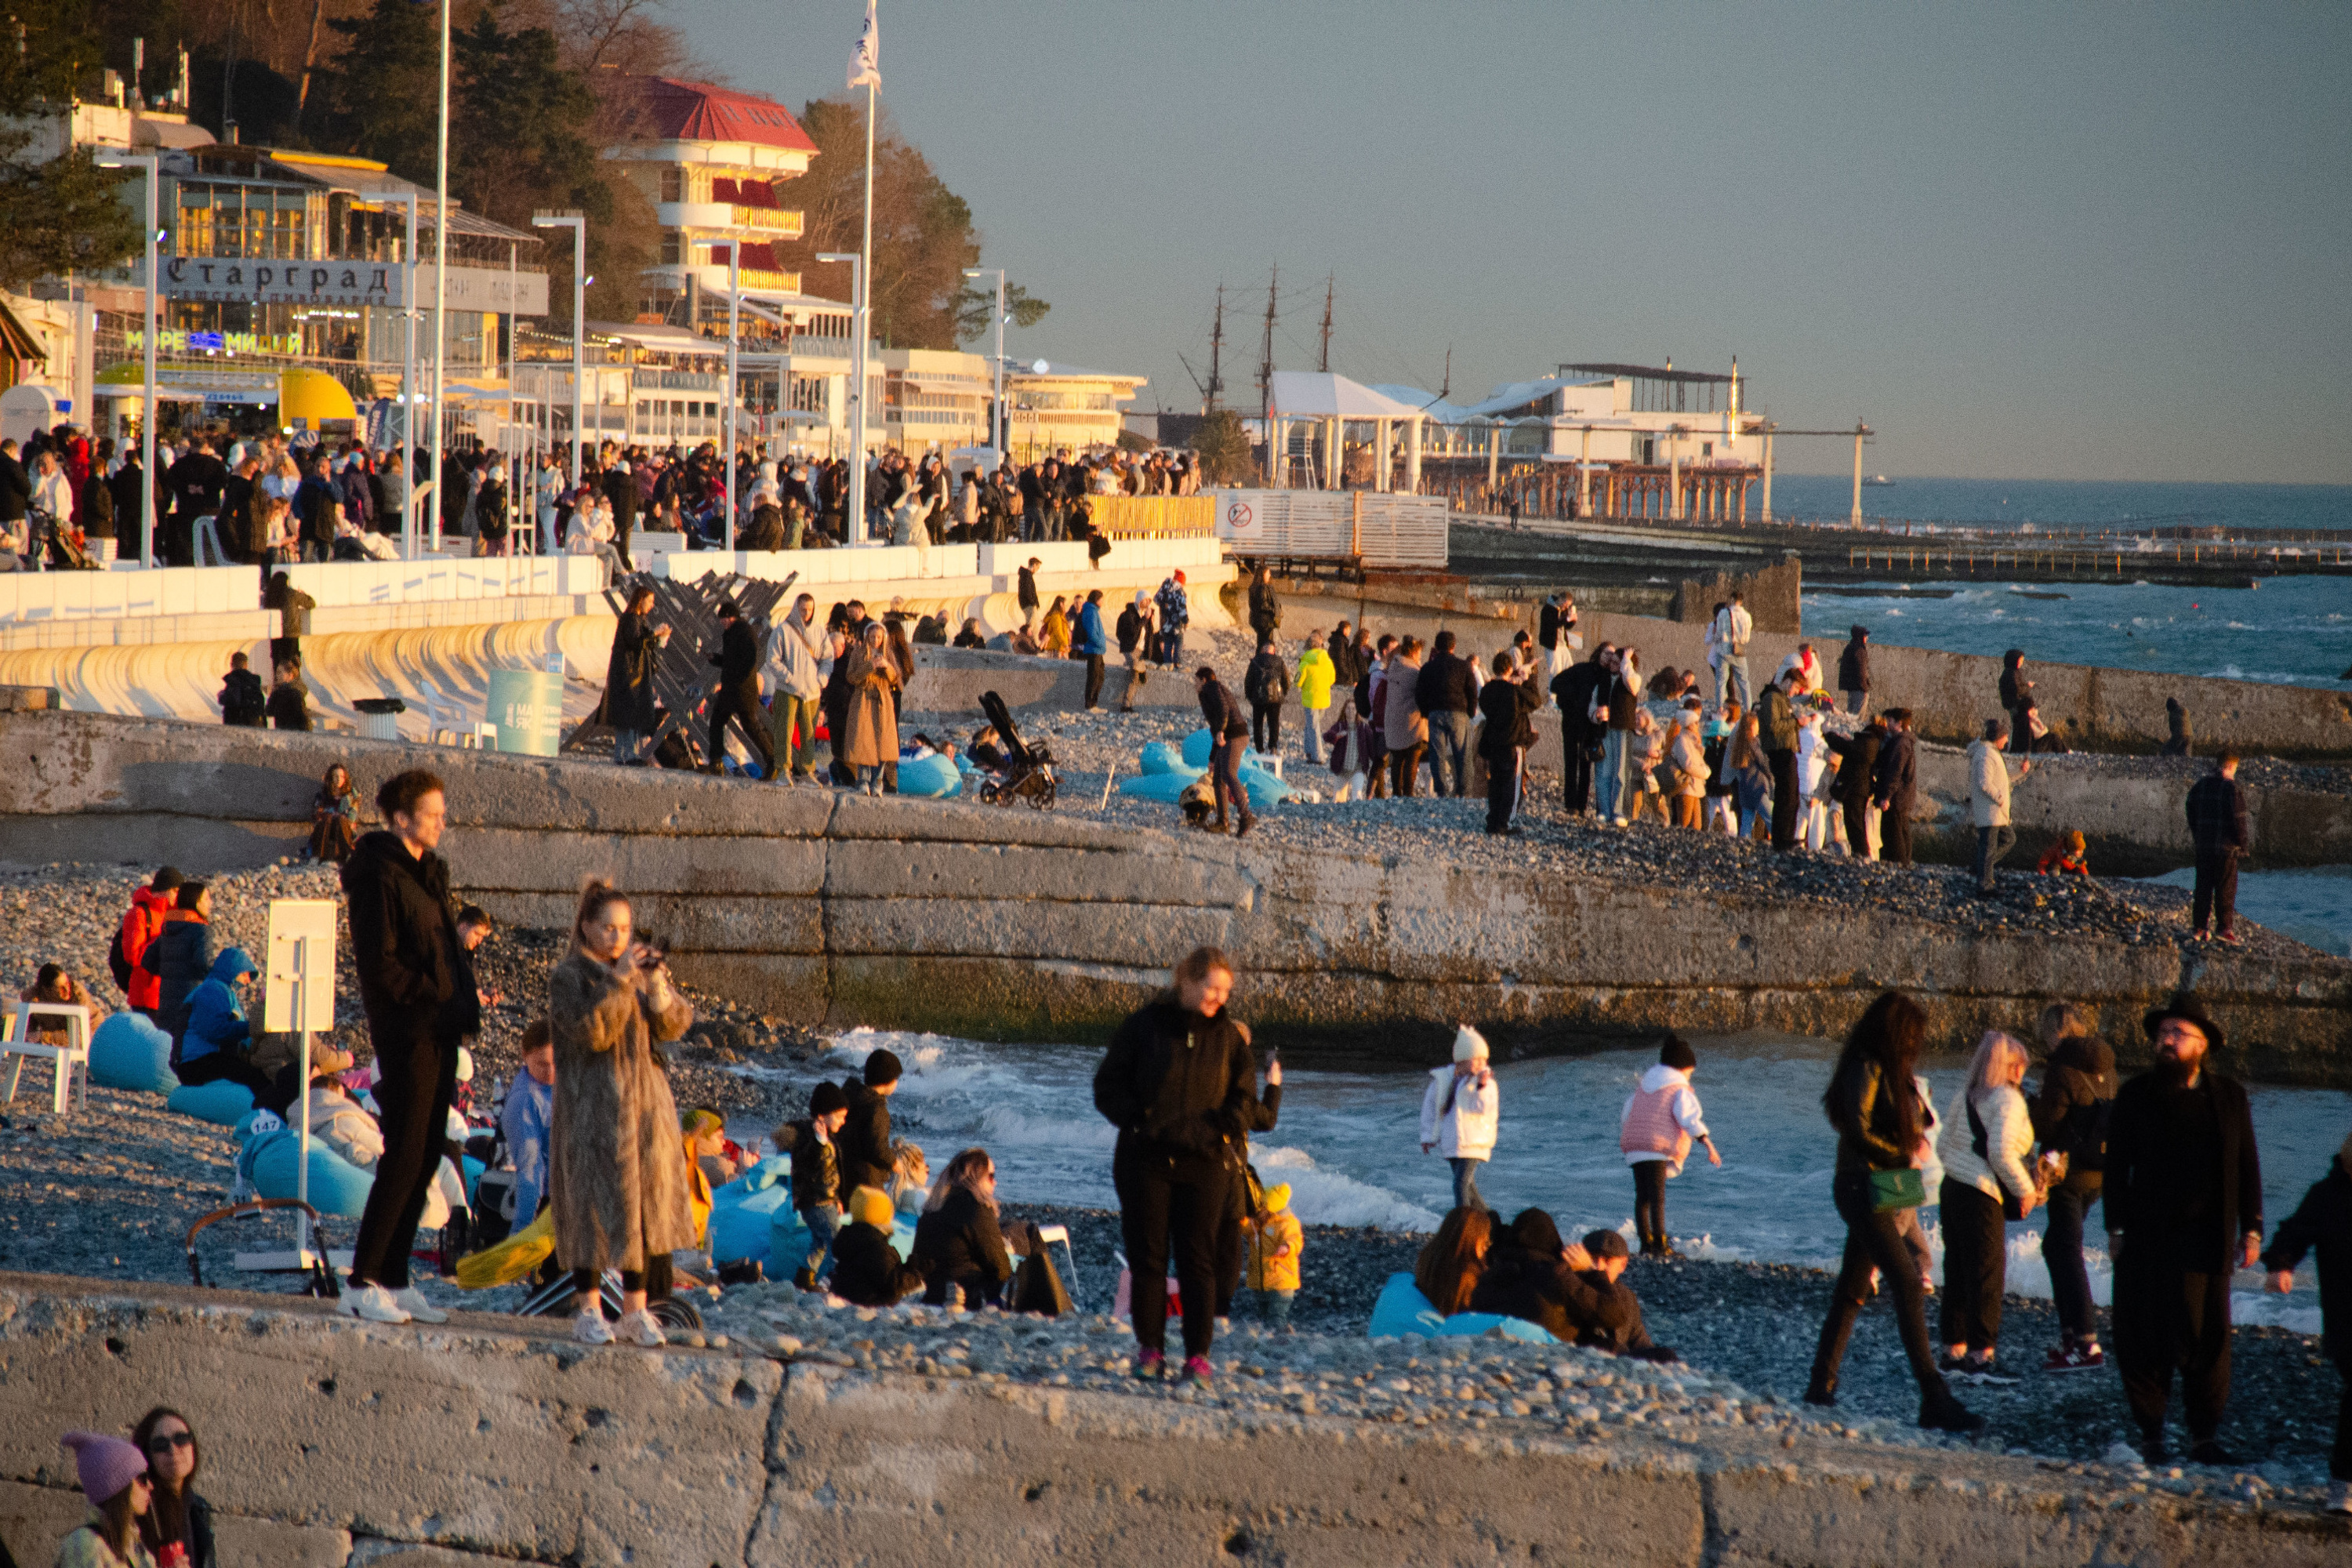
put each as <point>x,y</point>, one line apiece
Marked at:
<point>866,1271</point>
<point>2070,1113</point>
<point>1179,1087</point>
<point>2324,1220</point>
<point>416,980</point>
<point>863,1140</point>
<point>1572,688</point>
<point>1854,663</point>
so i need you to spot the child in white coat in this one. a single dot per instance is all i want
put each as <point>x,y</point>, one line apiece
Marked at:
<point>1458,1113</point>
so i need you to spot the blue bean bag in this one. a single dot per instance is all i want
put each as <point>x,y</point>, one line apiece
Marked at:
<point>1162,787</point>
<point>338,1187</point>
<point>1403,1310</point>
<point>1160,757</point>
<point>221,1102</point>
<point>933,777</point>
<point>1264,788</point>
<point>740,1211</point>
<point>130,1052</point>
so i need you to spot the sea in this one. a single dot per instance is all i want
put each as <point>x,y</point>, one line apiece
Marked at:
<point>1348,1146</point>
<point>2286,630</point>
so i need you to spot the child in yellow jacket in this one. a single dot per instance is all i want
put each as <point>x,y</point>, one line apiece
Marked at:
<point>1275,1240</point>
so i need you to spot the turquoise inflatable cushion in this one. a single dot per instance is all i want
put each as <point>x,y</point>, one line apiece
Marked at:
<point>130,1052</point>
<point>338,1187</point>
<point>224,1103</point>
<point>933,778</point>
<point>1403,1310</point>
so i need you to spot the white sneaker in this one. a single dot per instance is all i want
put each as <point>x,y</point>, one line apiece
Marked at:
<point>638,1328</point>
<point>370,1303</point>
<point>2339,1497</point>
<point>412,1301</point>
<point>591,1328</point>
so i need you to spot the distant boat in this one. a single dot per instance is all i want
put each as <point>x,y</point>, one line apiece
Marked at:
<point>1877,479</point>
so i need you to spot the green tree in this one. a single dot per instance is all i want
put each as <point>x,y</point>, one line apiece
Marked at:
<point>58,211</point>
<point>976,310</point>
<point>1225,449</point>
<point>384,95</point>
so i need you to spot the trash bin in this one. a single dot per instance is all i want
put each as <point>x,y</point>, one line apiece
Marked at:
<point>380,717</point>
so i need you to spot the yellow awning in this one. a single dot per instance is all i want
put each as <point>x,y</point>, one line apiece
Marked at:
<point>306,399</point>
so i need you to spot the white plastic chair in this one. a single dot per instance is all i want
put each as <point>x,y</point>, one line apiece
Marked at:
<point>17,1046</point>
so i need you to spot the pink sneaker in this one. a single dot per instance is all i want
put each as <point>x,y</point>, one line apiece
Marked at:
<point>1151,1366</point>
<point>1197,1369</point>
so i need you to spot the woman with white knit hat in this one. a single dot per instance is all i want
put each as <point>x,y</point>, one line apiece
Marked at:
<point>1458,1112</point>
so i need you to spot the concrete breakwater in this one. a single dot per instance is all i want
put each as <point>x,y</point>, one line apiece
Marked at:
<point>1010,925</point>
<point>332,1444</point>
<point>1952,694</point>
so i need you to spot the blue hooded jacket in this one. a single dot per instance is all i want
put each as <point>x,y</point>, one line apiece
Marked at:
<point>216,1020</point>
<point>1089,642</point>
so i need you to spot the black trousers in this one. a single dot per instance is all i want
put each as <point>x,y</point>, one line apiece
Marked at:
<point>418,1078</point>
<point>215,1066</point>
<point>1575,769</point>
<point>1874,1241</point>
<point>1094,678</point>
<point>1164,1210</point>
<point>1403,766</point>
<point>1976,1258</point>
<point>2339,1458</point>
<point>1502,789</point>
<point>742,703</point>
<point>1265,727</point>
<point>1230,1252</point>
<point>2061,1249</point>
<point>1225,776</point>
<point>654,1280</point>
<point>1894,833</point>
<point>2168,1319</point>
<point>1650,1204</point>
<point>1857,825</point>
<point>1784,800</point>
<point>2215,896</point>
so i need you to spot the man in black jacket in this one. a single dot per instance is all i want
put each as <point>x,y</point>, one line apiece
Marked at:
<point>1025,594</point>
<point>1857,757</point>
<point>1508,704</point>
<point>131,499</point>
<point>1572,688</point>
<point>1228,733</point>
<point>234,525</point>
<point>1894,787</point>
<point>1265,683</point>
<point>242,699</point>
<point>1777,727</point>
<point>620,489</point>
<point>2216,822</point>
<point>1853,671</point>
<point>736,693</point>
<point>1447,692</point>
<point>1180,1083</point>
<point>2070,1114</point>
<point>863,1140</point>
<point>15,497</point>
<point>194,483</point>
<point>314,504</point>
<point>417,984</point>
<point>2183,1187</point>
<point>2324,1219</point>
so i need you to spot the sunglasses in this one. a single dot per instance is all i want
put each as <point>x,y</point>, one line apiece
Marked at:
<point>163,1443</point>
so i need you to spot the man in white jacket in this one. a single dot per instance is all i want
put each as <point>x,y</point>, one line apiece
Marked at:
<point>1988,801</point>
<point>1458,1113</point>
<point>1733,626</point>
<point>796,684</point>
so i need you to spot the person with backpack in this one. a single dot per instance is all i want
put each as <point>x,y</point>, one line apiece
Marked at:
<point>1661,1121</point>
<point>1135,635</point>
<point>1777,726</point>
<point>1460,1111</point>
<point>1264,684</point>
<point>2070,1120</point>
<point>1894,787</point>
<point>242,701</point>
<point>1732,629</point>
<point>141,924</point>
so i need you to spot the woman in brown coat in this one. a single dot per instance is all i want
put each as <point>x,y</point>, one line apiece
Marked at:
<point>871,714</point>
<point>617,1168</point>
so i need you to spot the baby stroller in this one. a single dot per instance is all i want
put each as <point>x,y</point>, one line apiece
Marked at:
<point>1027,771</point>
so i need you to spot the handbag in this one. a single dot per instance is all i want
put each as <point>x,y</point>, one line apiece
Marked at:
<point>1893,1190</point>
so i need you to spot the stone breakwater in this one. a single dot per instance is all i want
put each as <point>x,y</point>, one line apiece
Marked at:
<point>1364,942</point>
<point>903,1436</point>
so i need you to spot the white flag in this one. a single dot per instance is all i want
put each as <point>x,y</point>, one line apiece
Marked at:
<point>865,60</point>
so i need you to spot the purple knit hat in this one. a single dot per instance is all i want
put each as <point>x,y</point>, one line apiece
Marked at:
<point>106,1465</point>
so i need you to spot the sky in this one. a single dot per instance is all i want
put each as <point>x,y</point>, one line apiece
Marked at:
<point>2085,241</point>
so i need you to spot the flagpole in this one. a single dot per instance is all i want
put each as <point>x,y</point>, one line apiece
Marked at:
<point>865,318</point>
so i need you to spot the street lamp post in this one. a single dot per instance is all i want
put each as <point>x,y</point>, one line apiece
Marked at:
<point>150,162</point>
<point>995,408</point>
<point>734,326</point>
<point>856,392</point>
<point>440,273</point>
<point>577,222</point>
<point>408,539</point>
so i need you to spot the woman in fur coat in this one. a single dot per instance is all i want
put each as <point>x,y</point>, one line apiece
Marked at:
<point>617,1167</point>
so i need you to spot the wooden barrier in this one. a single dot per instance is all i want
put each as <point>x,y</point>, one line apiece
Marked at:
<point>1154,517</point>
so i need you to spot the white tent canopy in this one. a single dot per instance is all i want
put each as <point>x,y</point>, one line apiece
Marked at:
<point>1311,395</point>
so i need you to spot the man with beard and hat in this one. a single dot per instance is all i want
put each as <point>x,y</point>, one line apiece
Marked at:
<point>2184,1194</point>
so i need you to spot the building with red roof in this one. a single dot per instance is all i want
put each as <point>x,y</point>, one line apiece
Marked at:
<point>717,164</point>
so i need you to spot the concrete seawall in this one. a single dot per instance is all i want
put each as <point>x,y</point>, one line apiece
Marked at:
<point>330,1444</point>
<point>2094,709</point>
<point>1010,925</point>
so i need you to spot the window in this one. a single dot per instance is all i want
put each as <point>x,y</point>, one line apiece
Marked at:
<point>672,249</point>
<point>673,184</point>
